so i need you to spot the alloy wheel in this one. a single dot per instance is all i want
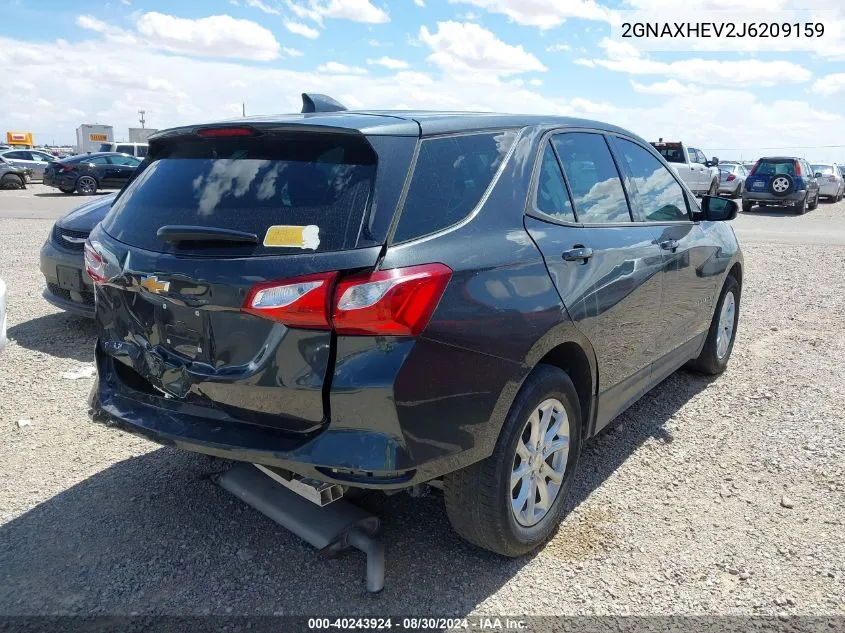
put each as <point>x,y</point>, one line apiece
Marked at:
<point>725,333</point>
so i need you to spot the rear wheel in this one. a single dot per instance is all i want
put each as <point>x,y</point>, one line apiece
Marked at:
<point>720,337</point>
<point>801,209</point>
<point>738,192</point>
<point>714,188</point>
<point>512,502</point>
<point>86,185</point>
<point>747,205</point>
<point>815,202</point>
<point>12,181</point>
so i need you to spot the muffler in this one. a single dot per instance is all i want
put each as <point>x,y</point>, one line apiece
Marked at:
<point>330,528</point>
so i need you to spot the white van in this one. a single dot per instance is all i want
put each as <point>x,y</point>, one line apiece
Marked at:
<point>138,150</point>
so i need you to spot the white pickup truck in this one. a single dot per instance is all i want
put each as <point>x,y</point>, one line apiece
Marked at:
<point>700,175</point>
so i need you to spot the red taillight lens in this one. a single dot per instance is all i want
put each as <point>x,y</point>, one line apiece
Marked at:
<point>731,177</point>
<point>797,166</point>
<point>95,264</point>
<point>297,302</point>
<point>64,168</point>
<point>218,132</point>
<point>831,178</point>
<point>754,169</point>
<point>395,302</point>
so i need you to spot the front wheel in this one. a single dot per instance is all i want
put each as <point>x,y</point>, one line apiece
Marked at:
<point>513,501</point>
<point>719,344</point>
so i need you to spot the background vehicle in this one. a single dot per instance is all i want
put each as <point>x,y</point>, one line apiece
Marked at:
<point>781,181</point>
<point>62,261</point>
<point>831,181</point>
<point>12,177</point>
<point>731,179</point>
<point>272,314</point>
<point>139,150</point>
<point>34,160</point>
<point>89,137</point>
<point>749,165</point>
<point>700,174</point>
<point>86,173</point>
<point>3,340</point>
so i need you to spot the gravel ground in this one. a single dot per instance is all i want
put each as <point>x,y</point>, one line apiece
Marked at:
<point>707,497</point>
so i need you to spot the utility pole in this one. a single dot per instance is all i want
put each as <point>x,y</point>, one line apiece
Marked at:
<point>142,119</point>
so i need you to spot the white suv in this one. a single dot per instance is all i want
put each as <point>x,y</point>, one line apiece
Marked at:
<point>691,165</point>
<point>138,150</point>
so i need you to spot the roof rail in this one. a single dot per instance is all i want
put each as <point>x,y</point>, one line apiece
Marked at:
<point>320,103</point>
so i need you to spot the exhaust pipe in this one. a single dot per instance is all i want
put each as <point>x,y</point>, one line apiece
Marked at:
<point>317,492</point>
<point>330,528</point>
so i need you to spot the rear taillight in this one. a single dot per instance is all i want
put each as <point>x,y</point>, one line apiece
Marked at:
<point>64,168</point>
<point>395,302</point>
<point>754,169</point>
<point>95,264</point>
<point>831,178</point>
<point>797,167</point>
<point>298,302</point>
<point>731,177</point>
<point>222,132</point>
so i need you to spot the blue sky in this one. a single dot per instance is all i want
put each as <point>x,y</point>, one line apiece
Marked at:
<point>99,62</point>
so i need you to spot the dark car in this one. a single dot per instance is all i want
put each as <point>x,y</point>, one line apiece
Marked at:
<point>62,258</point>
<point>12,177</point>
<point>384,299</point>
<point>86,173</point>
<point>781,181</point>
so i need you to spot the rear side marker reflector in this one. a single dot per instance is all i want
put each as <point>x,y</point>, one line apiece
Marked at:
<point>397,302</point>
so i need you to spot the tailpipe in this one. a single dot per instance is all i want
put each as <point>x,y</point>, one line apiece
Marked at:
<point>329,528</point>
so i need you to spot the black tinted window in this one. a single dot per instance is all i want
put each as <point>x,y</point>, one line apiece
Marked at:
<point>105,147</point>
<point>314,188</point>
<point>660,195</point>
<point>451,175</point>
<point>593,179</point>
<point>125,160</point>
<point>772,166</point>
<point>17,155</point>
<point>141,151</point>
<point>552,196</point>
<point>98,160</point>
<point>672,152</point>
<point>125,149</point>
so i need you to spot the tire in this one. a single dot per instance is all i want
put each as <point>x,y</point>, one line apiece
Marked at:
<point>781,185</point>
<point>12,181</point>
<point>710,360</point>
<point>86,185</point>
<point>803,208</point>
<point>66,190</point>
<point>480,498</point>
<point>738,192</point>
<point>815,202</point>
<point>714,188</point>
<point>747,206</point>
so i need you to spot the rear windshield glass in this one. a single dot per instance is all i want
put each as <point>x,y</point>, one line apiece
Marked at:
<point>314,188</point>
<point>105,147</point>
<point>773,166</point>
<point>450,176</point>
<point>824,170</point>
<point>672,152</point>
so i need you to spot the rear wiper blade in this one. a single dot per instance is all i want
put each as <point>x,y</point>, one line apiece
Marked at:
<point>172,233</point>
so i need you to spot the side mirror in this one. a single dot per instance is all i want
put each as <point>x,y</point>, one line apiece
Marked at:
<point>714,160</point>
<point>716,209</point>
<point>818,174</point>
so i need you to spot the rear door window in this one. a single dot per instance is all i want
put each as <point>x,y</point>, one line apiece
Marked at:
<point>593,179</point>
<point>316,187</point>
<point>450,177</point>
<point>552,195</point>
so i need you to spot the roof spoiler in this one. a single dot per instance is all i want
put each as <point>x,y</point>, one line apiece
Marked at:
<point>320,103</point>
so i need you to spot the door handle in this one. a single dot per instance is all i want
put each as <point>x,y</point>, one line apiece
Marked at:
<point>578,254</point>
<point>669,245</point>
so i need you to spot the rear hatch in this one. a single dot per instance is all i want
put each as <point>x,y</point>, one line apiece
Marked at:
<point>221,219</point>
<point>766,169</point>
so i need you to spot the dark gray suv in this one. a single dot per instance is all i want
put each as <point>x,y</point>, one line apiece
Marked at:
<point>384,299</point>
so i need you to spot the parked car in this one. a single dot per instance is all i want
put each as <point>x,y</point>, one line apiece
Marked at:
<point>700,174</point>
<point>138,150</point>
<point>731,179</point>
<point>34,160</point>
<point>831,180</point>
<point>473,329</point>
<point>62,258</point>
<point>781,181</point>
<point>12,177</point>
<point>748,166</point>
<point>86,173</point>
<point>3,340</point>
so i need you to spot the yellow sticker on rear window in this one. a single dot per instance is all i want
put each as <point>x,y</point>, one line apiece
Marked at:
<point>280,236</point>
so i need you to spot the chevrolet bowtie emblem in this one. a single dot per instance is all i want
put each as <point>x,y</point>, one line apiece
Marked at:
<point>151,283</point>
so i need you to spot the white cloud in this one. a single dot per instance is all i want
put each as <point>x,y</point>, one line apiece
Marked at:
<point>558,48</point>
<point>258,4</point>
<point>91,23</point>
<point>292,52</point>
<point>466,48</point>
<point>544,14</point>
<point>536,82</point>
<point>413,78</point>
<point>216,35</point>
<point>830,84</point>
<point>623,57</point>
<point>671,87</point>
<point>336,68</point>
<point>419,3</point>
<point>389,62</point>
<point>126,3</point>
<point>298,28</point>
<point>353,10</point>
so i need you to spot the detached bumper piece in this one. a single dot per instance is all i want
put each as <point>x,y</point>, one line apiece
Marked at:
<point>331,528</point>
